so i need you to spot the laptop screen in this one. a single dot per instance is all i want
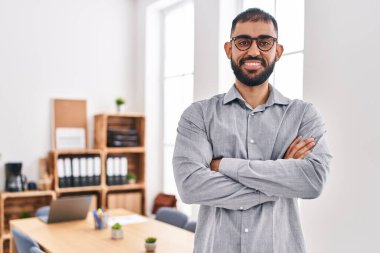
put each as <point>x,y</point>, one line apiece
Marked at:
<point>68,208</point>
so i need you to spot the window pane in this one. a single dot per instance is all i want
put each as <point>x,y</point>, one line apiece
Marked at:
<point>290,19</point>
<point>265,5</point>
<point>178,95</point>
<point>179,40</point>
<point>289,76</point>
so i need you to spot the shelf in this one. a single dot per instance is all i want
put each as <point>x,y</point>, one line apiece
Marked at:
<point>77,151</point>
<point>6,235</point>
<point>80,189</point>
<point>127,115</point>
<point>125,150</point>
<point>24,194</point>
<point>125,187</point>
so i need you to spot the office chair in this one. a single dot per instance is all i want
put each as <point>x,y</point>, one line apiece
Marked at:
<point>171,216</point>
<point>23,242</point>
<point>43,211</point>
<point>190,226</point>
<point>36,250</point>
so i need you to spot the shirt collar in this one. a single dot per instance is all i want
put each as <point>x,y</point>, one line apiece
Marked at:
<point>275,97</point>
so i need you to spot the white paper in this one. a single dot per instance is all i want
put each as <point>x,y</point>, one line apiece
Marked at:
<point>110,170</point>
<point>90,166</point>
<point>97,165</point>
<point>61,168</point>
<point>68,167</point>
<point>124,166</point>
<point>70,138</point>
<point>116,166</point>
<point>83,166</point>
<point>76,169</point>
<point>125,220</point>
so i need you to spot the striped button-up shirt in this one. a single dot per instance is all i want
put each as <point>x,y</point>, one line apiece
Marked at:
<point>250,205</point>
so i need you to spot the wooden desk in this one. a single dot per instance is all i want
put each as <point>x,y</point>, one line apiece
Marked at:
<point>80,236</point>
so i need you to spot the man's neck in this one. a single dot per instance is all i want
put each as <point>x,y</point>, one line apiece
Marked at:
<point>253,95</point>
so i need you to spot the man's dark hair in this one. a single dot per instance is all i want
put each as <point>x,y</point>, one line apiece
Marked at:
<point>254,15</point>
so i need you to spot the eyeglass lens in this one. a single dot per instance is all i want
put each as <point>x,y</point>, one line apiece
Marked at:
<point>263,44</point>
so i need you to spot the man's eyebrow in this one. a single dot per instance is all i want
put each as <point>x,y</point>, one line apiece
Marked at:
<point>248,36</point>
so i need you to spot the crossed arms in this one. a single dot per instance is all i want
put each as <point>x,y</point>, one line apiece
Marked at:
<point>234,183</point>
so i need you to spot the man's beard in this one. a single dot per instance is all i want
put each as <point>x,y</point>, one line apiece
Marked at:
<point>251,81</point>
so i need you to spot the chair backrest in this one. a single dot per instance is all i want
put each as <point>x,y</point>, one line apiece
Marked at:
<point>190,226</point>
<point>162,200</point>
<point>171,216</point>
<point>36,250</point>
<point>43,211</point>
<point>23,242</point>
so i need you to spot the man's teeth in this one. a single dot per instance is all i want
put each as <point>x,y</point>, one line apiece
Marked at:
<point>252,63</point>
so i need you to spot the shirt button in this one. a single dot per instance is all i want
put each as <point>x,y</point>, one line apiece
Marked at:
<point>246,230</point>
<point>251,141</point>
<point>241,208</point>
<point>252,113</point>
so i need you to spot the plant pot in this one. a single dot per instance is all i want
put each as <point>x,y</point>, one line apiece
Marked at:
<point>131,181</point>
<point>120,108</point>
<point>150,247</point>
<point>117,234</point>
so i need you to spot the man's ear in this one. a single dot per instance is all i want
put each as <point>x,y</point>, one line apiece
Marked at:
<point>279,51</point>
<point>228,49</point>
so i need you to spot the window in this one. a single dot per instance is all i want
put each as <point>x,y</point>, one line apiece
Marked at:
<point>178,63</point>
<point>288,74</point>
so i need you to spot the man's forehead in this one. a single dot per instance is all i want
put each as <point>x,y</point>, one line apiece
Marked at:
<point>255,28</point>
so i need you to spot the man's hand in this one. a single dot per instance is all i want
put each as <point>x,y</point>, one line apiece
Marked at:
<point>299,148</point>
<point>214,165</point>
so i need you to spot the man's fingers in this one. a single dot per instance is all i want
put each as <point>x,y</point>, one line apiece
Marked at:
<point>304,150</point>
<point>304,155</point>
<point>296,141</point>
<point>299,146</point>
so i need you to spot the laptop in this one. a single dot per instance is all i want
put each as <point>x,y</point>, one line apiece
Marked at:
<point>67,209</point>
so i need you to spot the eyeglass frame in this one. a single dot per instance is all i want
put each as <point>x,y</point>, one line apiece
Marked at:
<point>275,40</point>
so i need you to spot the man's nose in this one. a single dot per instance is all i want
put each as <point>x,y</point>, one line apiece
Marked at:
<point>253,50</point>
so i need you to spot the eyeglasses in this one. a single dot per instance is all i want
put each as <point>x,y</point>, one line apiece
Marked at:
<point>244,42</point>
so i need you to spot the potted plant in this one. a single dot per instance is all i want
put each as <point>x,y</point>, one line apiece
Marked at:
<point>120,104</point>
<point>131,178</point>
<point>150,244</point>
<point>117,231</point>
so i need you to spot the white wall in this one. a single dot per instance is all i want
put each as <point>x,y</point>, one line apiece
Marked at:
<point>149,64</point>
<point>341,68</point>
<point>60,49</point>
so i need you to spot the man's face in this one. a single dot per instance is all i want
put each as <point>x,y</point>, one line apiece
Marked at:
<point>253,66</point>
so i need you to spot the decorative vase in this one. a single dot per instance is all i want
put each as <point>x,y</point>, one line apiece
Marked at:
<point>117,234</point>
<point>120,108</point>
<point>150,247</point>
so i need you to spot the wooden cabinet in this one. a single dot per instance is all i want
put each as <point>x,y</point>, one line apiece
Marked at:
<point>119,141</point>
<point>122,136</point>
<point>15,205</point>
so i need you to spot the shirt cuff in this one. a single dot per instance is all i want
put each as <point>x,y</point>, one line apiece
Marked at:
<point>230,167</point>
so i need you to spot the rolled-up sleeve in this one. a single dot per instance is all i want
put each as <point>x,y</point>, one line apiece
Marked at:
<point>301,178</point>
<point>196,183</point>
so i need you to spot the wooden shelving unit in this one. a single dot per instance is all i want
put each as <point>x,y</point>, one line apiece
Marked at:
<point>111,195</point>
<point>15,205</point>
<point>133,149</point>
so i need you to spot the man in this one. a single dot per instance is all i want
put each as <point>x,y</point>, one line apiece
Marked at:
<point>248,155</point>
